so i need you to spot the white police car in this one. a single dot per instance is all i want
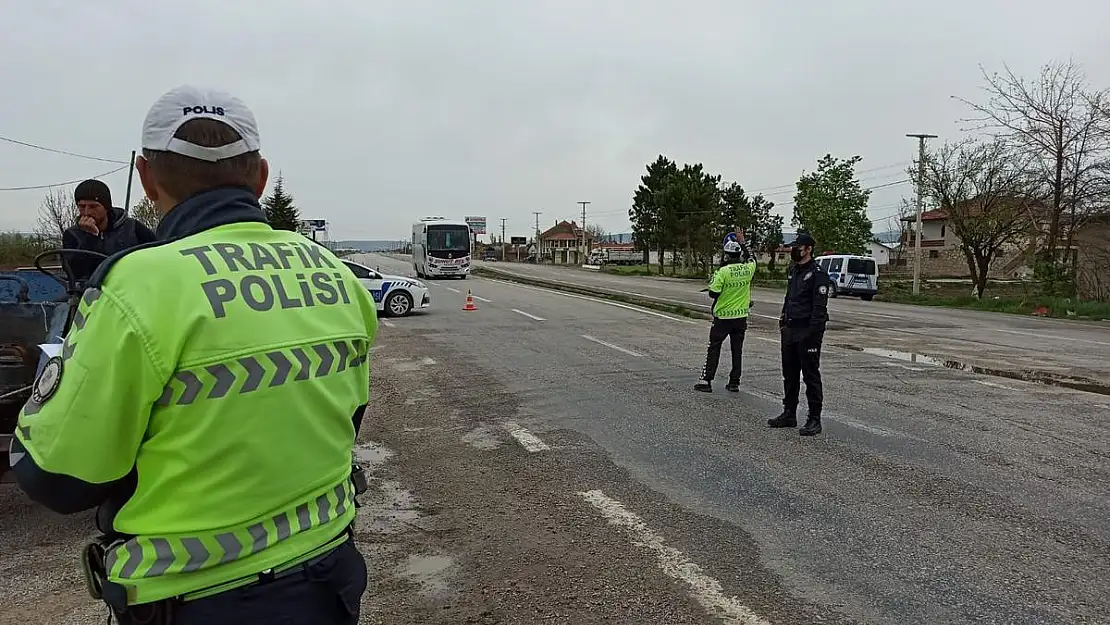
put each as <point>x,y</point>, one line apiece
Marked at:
<point>395,295</point>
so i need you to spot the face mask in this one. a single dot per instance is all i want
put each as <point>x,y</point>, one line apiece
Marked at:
<point>796,254</point>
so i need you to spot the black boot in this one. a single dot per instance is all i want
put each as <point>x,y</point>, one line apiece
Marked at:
<point>812,426</point>
<point>704,386</point>
<point>785,420</point>
<point>733,387</point>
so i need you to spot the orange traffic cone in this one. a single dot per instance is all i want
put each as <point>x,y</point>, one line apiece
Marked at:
<point>469,302</point>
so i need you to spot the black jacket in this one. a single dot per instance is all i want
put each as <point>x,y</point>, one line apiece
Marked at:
<point>807,297</point>
<point>123,233</point>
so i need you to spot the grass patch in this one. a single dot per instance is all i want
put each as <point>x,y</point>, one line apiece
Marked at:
<point>653,270</point>
<point>1011,298</point>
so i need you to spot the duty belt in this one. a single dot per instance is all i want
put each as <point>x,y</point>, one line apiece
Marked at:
<point>94,566</point>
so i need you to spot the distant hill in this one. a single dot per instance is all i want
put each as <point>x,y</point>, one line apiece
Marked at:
<point>367,246</point>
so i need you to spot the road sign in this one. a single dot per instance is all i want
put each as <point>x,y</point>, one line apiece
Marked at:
<point>477,224</point>
<point>518,240</point>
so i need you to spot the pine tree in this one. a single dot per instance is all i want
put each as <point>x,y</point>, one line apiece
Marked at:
<point>280,211</point>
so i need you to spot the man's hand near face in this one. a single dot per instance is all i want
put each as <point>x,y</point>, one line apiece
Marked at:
<point>88,224</point>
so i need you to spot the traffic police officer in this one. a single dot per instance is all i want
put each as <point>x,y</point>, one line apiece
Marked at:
<point>802,324</point>
<point>208,396</point>
<point>731,290</point>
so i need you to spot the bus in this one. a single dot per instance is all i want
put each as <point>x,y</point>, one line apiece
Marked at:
<point>441,247</point>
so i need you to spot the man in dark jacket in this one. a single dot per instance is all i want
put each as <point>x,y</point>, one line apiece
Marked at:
<point>100,228</point>
<point>802,323</point>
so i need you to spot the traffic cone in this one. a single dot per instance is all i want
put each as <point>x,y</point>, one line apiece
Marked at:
<point>469,302</point>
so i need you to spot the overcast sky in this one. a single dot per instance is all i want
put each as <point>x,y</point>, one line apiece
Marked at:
<point>379,112</point>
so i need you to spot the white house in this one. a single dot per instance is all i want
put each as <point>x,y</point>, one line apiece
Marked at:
<point>880,252</point>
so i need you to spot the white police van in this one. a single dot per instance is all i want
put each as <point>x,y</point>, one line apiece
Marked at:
<point>851,275</point>
<point>396,296</point>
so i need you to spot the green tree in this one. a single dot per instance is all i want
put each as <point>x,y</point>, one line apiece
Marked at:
<point>693,204</point>
<point>772,239</point>
<point>831,205</point>
<point>751,214</point>
<point>146,213</point>
<point>280,211</point>
<point>646,214</point>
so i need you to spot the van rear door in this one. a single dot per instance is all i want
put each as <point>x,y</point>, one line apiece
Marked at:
<point>862,274</point>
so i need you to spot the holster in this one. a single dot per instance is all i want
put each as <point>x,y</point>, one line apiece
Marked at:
<point>93,560</point>
<point>359,481</point>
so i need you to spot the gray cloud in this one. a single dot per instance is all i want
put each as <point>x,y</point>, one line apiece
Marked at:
<point>379,112</point>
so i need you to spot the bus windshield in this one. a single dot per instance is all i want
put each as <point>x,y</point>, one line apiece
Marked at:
<point>449,239</point>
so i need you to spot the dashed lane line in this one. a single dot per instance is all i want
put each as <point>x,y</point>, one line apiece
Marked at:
<point>612,346</point>
<point>707,591</point>
<point>481,299</point>
<point>527,440</point>
<point>387,323</point>
<point>529,315</point>
<point>593,299</point>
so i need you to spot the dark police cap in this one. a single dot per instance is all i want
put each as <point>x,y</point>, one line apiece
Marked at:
<point>804,239</point>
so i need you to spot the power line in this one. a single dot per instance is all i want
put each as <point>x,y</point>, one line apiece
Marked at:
<point>74,154</point>
<point>66,183</point>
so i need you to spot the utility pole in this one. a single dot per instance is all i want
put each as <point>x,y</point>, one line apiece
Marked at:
<point>130,177</point>
<point>585,244</point>
<point>920,205</point>
<point>536,240</point>
<point>502,238</point>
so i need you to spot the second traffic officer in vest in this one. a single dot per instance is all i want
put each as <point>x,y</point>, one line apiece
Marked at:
<point>731,290</point>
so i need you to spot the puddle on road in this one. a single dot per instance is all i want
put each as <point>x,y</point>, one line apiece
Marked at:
<point>1025,375</point>
<point>391,509</point>
<point>408,365</point>
<point>431,572</point>
<point>372,455</point>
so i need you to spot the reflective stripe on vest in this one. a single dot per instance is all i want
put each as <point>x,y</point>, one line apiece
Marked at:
<point>245,375</point>
<point>153,556</point>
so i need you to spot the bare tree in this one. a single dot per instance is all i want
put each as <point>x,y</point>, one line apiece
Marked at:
<point>987,196</point>
<point>1061,126</point>
<point>57,213</point>
<point>146,213</point>
<point>595,232</point>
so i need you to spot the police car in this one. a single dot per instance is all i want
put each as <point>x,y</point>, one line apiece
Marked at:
<point>395,295</point>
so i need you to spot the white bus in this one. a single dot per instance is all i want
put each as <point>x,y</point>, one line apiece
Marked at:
<point>441,247</point>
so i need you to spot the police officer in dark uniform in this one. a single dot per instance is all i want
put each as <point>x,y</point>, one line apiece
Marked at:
<point>802,324</point>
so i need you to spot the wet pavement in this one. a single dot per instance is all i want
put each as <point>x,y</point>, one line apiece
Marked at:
<point>1076,353</point>
<point>935,494</point>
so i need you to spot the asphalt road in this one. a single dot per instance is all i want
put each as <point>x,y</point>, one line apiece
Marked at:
<point>1013,344</point>
<point>933,496</point>
<point>544,459</point>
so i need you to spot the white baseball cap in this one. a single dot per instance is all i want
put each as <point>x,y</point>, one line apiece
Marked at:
<point>185,103</point>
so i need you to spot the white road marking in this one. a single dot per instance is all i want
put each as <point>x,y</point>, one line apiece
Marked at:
<point>859,425</point>
<point>703,588</point>
<point>427,361</point>
<point>527,440</point>
<point>529,315</point>
<point>387,323</point>
<point>592,299</point>
<point>1051,336</point>
<point>611,346</point>
<point>994,385</point>
<point>482,299</point>
<point>765,339</point>
<point>453,290</point>
<point>902,366</point>
<point>765,316</point>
